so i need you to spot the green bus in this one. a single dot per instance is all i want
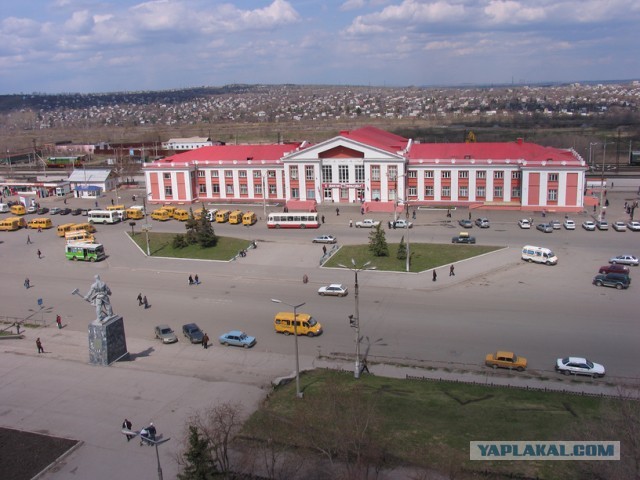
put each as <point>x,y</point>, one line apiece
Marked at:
<point>88,252</point>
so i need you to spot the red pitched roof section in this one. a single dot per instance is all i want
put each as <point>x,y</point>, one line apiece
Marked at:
<point>377,138</point>
<point>226,154</point>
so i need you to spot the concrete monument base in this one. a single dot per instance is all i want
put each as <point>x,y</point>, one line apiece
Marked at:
<point>107,342</point>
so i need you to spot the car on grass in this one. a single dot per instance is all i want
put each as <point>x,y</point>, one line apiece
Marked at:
<point>402,223</point>
<point>614,268</point>
<point>464,223</point>
<point>569,224</point>
<point>503,359</point>
<point>589,225</point>
<point>237,338</point>
<point>335,289</point>
<point>579,366</point>
<point>325,239</point>
<point>544,227</point>
<point>482,222</point>
<point>616,280</point>
<point>625,260</point>
<point>634,226</point>
<point>166,334</point>
<point>367,223</point>
<point>602,225</point>
<point>524,223</point>
<point>192,332</point>
<point>463,237</point>
<point>619,226</point>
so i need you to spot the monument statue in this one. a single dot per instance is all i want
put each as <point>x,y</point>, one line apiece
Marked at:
<point>99,297</point>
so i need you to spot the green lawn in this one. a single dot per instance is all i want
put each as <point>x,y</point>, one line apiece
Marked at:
<point>424,256</point>
<point>161,245</point>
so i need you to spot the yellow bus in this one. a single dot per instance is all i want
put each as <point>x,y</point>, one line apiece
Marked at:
<point>169,208</point>
<point>222,216</point>
<point>235,217</point>
<point>21,221</point>
<point>134,213</point>
<point>161,215</point>
<point>79,236</point>
<point>120,209</point>
<point>181,214</point>
<point>83,226</point>
<point>43,222</point>
<point>249,218</point>
<point>18,210</point>
<point>9,224</point>
<point>62,229</point>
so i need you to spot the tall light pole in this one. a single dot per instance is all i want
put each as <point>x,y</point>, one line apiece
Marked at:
<point>355,320</point>
<point>295,337</point>
<point>146,227</point>
<point>131,433</point>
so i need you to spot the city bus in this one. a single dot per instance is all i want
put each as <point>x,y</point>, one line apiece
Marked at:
<point>104,216</point>
<point>10,224</point>
<point>293,220</point>
<point>120,209</point>
<point>67,227</point>
<point>83,226</point>
<point>88,252</point>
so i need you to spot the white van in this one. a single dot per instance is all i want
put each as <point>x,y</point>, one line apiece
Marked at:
<point>539,255</point>
<point>4,208</point>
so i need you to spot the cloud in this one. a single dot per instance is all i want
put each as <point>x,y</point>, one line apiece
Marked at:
<point>352,5</point>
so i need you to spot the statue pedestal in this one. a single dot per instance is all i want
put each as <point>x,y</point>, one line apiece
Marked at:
<point>107,342</point>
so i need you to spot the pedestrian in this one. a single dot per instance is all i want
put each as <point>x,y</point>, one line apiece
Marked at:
<point>29,240</point>
<point>27,283</point>
<point>139,298</point>
<point>594,209</point>
<point>452,273</point>
<point>59,321</point>
<point>469,215</point>
<point>196,280</point>
<point>364,367</point>
<point>324,249</point>
<point>39,254</point>
<point>96,203</point>
<point>350,223</point>
<point>126,425</point>
<point>112,201</point>
<point>337,212</point>
<point>414,214</point>
<point>39,229</point>
<point>39,345</point>
<point>190,280</point>
<point>205,341</point>
<point>435,275</point>
<point>144,302</point>
<point>65,201</point>
<point>361,210</point>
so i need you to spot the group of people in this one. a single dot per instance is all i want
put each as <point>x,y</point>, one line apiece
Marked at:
<point>142,300</point>
<point>194,280</point>
<point>147,434</point>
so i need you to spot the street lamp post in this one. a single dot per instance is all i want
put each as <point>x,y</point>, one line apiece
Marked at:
<point>155,443</point>
<point>146,223</point>
<point>295,337</point>
<point>355,320</point>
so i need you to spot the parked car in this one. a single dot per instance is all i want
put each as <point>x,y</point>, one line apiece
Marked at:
<point>463,237</point>
<point>625,260</point>
<point>334,289</point>
<point>482,222</point>
<point>464,223</point>
<point>237,339</point>
<point>76,211</point>
<point>579,366</point>
<point>65,211</point>
<point>555,224</point>
<point>602,225</point>
<point>619,226</point>
<point>616,280</point>
<point>569,224</point>
<point>32,209</point>
<point>42,210</point>
<point>510,360</point>
<point>589,225</point>
<point>192,332</point>
<point>544,227</point>
<point>634,226</point>
<point>402,223</point>
<point>166,334</point>
<point>614,268</point>
<point>55,211</point>
<point>325,239</point>
<point>367,223</point>
<point>524,223</point>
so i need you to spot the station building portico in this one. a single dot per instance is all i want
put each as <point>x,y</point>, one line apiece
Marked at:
<point>376,168</point>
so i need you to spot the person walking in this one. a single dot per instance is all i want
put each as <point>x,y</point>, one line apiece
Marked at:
<point>196,279</point>
<point>324,249</point>
<point>205,341</point>
<point>39,254</point>
<point>190,280</point>
<point>59,321</point>
<point>337,212</point>
<point>39,345</point>
<point>144,302</point>
<point>364,367</point>
<point>435,275</point>
<point>126,425</point>
<point>27,284</point>
<point>139,298</point>
<point>452,272</point>
<point>322,218</point>
<point>29,242</point>
<point>350,223</point>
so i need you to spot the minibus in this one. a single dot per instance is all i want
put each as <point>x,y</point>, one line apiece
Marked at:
<point>42,223</point>
<point>222,216</point>
<point>249,218</point>
<point>305,324</point>
<point>235,217</point>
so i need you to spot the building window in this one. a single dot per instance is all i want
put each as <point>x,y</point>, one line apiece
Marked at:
<point>553,177</point>
<point>428,191</point>
<point>412,173</point>
<point>344,193</point>
<point>428,174</point>
<point>228,173</point>
<point>295,193</point>
<point>309,173</point>
<point>515,175</point>
<point>446,174</point>
<point>215,188</point>
<point>293,172</point>
<point>229,188</point>
<point>375,194</point>
<point>202,188</point>
<point>242,174</point>
<point>311,193</point>
<point>413,191</point>
<point>481,174</point>
<point>168,192</point>
<point>498,174</point>
<point>343,173</point>
<point>480,192</point>
<point>167,176</point>
<point>515,192</point>
<point>200,173</point>
<point>392,194</point>
<point>463,174</point>
<point>244,190</point>
<point>271,173</point>
<point>552,194</point>
<point>214,174</point>
<point>359,173</point>
<point>257,174</point>
<point>497,192</point>
<point>327,174</point>
<point>392,172</point>
<point>375,172</point>
<point>257,189</point>
<point>446,191</point>
<point>327,193</point>
<point>272,190</point>
<point>463,191</point>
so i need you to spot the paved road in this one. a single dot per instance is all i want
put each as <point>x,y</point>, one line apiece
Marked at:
<point>495,301</point>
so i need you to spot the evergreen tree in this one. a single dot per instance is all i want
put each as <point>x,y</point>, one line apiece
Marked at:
<point>402,250</point>
<point>192,228</point>
<point>198,463</point>
<point>206,237</point>
<point>378,242</point>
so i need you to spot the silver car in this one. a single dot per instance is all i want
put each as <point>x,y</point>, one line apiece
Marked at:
<point>166,334</point>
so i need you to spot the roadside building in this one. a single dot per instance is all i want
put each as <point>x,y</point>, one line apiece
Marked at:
<point>90,183</point>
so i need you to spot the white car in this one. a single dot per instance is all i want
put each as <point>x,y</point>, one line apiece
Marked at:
<point>334,289</point>
<point>579,366</point>
<point>325,239</point>
<point>401,223</point>
<point>367,223</point>
<point>569,224</point>
<point>634,226</point>
<point>555,224</point>
<point>624,260</point>
<point>619,226</point>
<point>602,225</point>
<point>524,223</point>
<point>589,225</point>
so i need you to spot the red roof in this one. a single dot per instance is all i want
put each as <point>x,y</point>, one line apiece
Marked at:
<point>377,138</point>
<point>229,153</point>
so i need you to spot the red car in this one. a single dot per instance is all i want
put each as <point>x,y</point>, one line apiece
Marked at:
<point>614,268</point>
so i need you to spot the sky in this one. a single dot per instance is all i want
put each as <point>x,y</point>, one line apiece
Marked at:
<point>94,46</point>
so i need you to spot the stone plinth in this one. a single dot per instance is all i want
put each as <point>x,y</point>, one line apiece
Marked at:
<point>107,342</point>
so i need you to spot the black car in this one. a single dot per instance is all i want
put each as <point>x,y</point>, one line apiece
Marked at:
<point>76,211</point>
<point>617,280</point>
<point>65,211</point>
<point>193,332</point>
<point>42,210</point>
<point>463,237</point>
